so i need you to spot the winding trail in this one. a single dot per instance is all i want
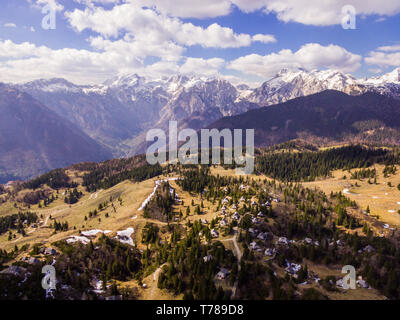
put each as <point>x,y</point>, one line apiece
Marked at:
<point>155,281</point>
<point>238,255</point>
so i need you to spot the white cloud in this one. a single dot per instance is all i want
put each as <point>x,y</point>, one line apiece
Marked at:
<point>26,61</point>
<point>39,4</point>
<point>310,56</point>
<point>10,25</point>
<point>32,29</point>
<point>320,13</point>
<point>9,49</point>
<point>93,2</point>
<point>140,47</point>
<point>385,56</point>
<point>383,59</point>
<point>146,23</point>
<point>196,66</point>
<point>264,38</point>
<point>390,48</point>
<point>191,9</point>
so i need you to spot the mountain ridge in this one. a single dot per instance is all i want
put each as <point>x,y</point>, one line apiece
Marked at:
<point>328,116</point>
<point>118,113</point>
<point>33,139</point>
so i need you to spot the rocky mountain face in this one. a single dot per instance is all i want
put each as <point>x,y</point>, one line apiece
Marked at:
<point>119,112</point>
<point>109,114</point>
<point>326,117</point>
<point>34,139</point>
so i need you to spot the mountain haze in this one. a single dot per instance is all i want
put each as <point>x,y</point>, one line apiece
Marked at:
<point>33,139</point>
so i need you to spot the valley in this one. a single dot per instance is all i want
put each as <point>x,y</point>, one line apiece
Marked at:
<point>112,118</point>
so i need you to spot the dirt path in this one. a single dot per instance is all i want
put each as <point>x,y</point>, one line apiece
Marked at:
<point>154,285</point>
<point>238,255</point>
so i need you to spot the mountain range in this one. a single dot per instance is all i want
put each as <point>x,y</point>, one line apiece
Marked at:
<point>34,139</point>
<point>116,114</point>
<point>327,117</point>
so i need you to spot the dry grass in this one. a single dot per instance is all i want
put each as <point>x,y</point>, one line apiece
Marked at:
<point>379,197</point>
<point>133,194</point>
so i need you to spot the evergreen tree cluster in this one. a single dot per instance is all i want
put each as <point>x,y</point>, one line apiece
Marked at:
<point>55,179</point>
<point>188,273</point>
<point>73,196</point>
<point>16,221</point>
<point>105,177</point>
<point>60,226</point>
<point>307,166</point>
<point>363,174</point>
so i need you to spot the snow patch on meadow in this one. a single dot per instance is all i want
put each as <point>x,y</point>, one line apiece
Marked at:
<point>92,233</point>
<point>124,236</point>
<point>74,239</point>
<point>158,184</point>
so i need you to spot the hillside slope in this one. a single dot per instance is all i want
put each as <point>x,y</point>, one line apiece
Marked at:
<point>329,116</point>
<point>33,139</point>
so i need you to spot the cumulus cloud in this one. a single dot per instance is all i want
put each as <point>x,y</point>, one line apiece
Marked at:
<point>26,61</point>
<point>390,48</point>
<point>383,59</point>
<point>39,4</point>
<point>320,13</point>
<point>145,22</point>
<point>207,67</point>
<point>264,38</point>
<point>191,9</point>
<point>140,47</point>
<point>310,56</point>
<point>386,56</point>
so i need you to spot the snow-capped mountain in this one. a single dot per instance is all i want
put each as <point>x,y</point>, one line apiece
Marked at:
<point>122,108</point>
<point>287,85</point>
<point>118,112</point>
<point>391,77</point>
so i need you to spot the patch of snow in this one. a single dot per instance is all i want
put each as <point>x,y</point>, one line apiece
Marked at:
<point>158,183</point>
<point>92,233</point>
<point>124,236</point>
<point>74,239</point>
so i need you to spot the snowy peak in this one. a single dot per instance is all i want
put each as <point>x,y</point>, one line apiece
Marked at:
<point>51,85</point>
<point>129,80</point>
<point>391,77</point>
<point>290,84</point>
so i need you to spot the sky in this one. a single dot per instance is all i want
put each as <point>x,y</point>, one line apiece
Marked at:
<point>244,41</point>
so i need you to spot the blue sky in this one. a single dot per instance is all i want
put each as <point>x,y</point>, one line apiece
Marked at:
<point>242,40</point>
